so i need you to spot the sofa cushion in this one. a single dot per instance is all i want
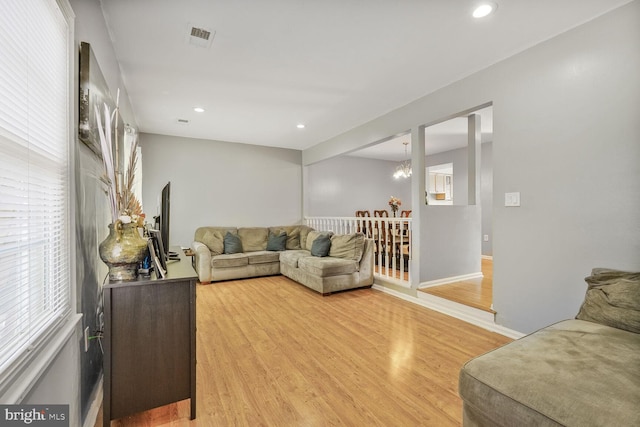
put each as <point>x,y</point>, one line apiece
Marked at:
<point>292,257</point>
<point>229,260</point>
<point>261,257</point>
<point>214,241</point>
<point>253,238</point>
<point>277,242</point>
<point>572,373</point>
<point>613,299</point>
<point>296,235</point>
<point>232,244</point>
<point>321,246</point>
<point>327,266</point>
<point>304,233</point>
<point>313,235</point>
<point>293,239</point>
<point>347,246</point>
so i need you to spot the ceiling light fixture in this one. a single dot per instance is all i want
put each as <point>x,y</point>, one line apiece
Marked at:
<point>300,126</point>
<point>484,9</point>
<point>404,169</point>
<point>198,109</point>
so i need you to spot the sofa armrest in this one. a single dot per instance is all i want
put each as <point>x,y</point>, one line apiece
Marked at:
<point>366,262</point>
<point>203,261</point>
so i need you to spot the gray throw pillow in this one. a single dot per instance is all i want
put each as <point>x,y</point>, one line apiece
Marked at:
<point>277,242</point>
<point>232,244</point>
<point>321,245</point>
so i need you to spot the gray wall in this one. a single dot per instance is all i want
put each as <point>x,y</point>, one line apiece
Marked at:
<point>342,185</point>
<point>566,136</point>
<point>219,183</point>
<point>56,385</point>
<point>460,184</point>
<point>450,243</point>
<point>91,202</point>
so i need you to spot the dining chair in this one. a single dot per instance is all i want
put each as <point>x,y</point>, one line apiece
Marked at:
<point>364,226</point>
<point>380,234</point>
<point>405,214</point>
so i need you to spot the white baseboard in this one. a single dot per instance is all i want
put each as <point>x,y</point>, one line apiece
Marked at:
<point>460,311</point>
<point>94,409</point>
<point>378,278</point>
<point>470,315</point>
<point>444,281</point>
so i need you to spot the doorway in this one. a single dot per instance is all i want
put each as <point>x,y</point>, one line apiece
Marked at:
<point>451,155</point>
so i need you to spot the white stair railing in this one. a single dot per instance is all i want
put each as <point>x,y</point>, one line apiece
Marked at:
<point>392,238</point>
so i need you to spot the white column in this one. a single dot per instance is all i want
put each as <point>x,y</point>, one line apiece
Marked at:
<point>418,179</point>
<point>474,136</point>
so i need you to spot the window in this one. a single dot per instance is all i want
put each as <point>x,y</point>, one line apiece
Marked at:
<point>34,174</point>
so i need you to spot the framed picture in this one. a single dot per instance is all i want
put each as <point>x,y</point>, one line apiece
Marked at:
<point>160,271</point>
<point>159,247</point>
<point>93,92</point>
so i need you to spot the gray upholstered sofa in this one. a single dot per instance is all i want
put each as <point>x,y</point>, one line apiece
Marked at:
<point>347,265</point>
<point>579,372</point>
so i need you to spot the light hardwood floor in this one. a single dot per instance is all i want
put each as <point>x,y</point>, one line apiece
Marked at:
<point>477,293</point>
<point>274,353</point>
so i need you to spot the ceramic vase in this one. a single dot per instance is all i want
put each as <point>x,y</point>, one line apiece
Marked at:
<point>122,251</point>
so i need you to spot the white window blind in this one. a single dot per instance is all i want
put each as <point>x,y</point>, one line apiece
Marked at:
<point>34,174</point>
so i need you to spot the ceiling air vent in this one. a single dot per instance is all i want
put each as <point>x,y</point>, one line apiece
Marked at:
<point>183,121</point>
<point>199,35</point>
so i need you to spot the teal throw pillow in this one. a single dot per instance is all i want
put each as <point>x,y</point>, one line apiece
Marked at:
<point>321,245</point>
<point>232,244</point>
<point>277,243</point>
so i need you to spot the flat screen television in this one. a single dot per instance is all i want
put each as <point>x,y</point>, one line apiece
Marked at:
<point>165,219</point>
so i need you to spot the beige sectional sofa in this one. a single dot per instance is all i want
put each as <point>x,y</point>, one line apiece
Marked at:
<point>347,265</point>
<point>579,372</point>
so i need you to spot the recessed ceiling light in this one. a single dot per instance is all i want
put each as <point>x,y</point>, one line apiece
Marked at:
<point>198,109</point>
<point>300,126</point>
<point>484,9</point>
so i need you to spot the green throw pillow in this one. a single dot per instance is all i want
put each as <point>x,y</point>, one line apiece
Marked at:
<point>277,242</point>
<point>612,299</point>
<point>321,245</point>
<point>232,244</point>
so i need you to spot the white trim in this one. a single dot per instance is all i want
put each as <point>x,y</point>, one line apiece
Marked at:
<point>489,257</point>
<point>377,277</point>
<point>460,311</point>
<point>94,409</point>
<point>28,374</point>
<point>453,279</point>
<point>454,311</point>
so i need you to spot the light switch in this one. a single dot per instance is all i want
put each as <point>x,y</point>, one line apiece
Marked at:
<point>512,199</point>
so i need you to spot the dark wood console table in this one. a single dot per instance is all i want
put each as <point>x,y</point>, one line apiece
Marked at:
<point>150,342</point>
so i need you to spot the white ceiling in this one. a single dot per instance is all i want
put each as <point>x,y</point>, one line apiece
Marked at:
<point>331,64</point>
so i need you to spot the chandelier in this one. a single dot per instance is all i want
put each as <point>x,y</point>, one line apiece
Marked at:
<point>404,168</point>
